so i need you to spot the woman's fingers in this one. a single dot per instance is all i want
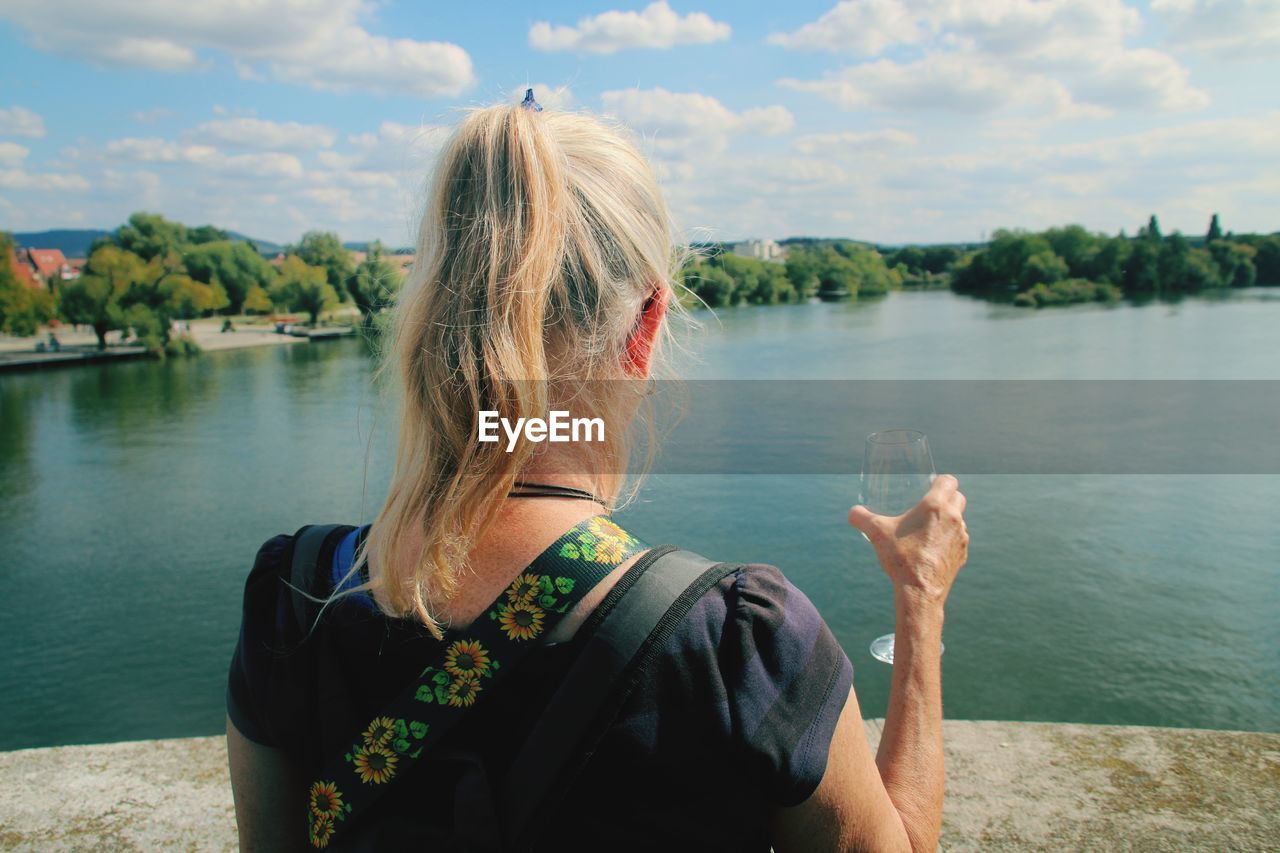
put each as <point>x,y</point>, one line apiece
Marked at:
<point>864,519</point>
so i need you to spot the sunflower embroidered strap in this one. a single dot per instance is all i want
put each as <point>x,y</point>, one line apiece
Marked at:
<point>467,665</point>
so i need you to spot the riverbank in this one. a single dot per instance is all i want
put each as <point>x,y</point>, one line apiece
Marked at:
<point>82,347</point>
<point>1010,786</point>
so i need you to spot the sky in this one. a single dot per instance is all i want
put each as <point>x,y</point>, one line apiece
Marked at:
<point>894,121</point>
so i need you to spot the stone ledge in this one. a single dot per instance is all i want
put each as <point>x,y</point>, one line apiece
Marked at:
<point>1010,786</point>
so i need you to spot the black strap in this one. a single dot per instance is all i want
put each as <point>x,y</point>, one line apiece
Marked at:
<point>307,545</point>
<point>651,600</point>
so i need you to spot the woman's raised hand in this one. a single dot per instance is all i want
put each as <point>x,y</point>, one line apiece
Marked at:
<point>923,549</point>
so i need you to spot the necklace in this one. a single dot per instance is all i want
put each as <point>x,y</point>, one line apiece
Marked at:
<point>548,490</point>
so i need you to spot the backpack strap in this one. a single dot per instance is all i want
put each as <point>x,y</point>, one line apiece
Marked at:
<point>307,545</point>
<point>460,672</point>
<point>638,616</point>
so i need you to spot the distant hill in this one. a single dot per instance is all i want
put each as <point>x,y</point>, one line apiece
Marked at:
<point>363,246</point>
<point>75,242</point>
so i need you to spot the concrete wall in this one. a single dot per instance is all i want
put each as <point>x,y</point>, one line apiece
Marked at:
<point>1010,786</point>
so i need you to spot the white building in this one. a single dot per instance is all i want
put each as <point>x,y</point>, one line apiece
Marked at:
<point>764,250</point>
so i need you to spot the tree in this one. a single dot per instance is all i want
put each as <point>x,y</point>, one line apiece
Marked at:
<point>323,249</point>
<point>374,284</point>
<point>1152,230</point>
<point>95,298</point>
<point>303,287</point>
<point>150,235</point>
<point>234,266</point>
<point>1215,230</point>
<point>206,234</point>
<point>1235,262</point>
<point>23,308</point>
<point>257,301</point>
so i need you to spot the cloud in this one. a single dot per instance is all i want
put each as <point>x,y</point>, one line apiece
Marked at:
<point>155,150</point>
<point>262,134</point>
<point>1070,55</point>
<point>938,82</point>
<point>320,44</point>
<point>19,179</point>
<point>865,27</point>
<point>850,142</point>
<point>656,27</point>
<point>690,122</point>
<point>12,154</point>
<point>1228,29</point>
<point>20,121</point>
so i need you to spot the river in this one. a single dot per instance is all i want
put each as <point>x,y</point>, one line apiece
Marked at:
<point>135,495</point>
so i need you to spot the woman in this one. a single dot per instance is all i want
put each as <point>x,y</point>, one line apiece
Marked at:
<point>546,267</point>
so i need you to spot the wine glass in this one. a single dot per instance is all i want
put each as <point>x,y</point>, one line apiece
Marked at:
<point>897,471</point>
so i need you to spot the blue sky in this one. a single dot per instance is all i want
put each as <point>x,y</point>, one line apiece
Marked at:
<point>887,120</point>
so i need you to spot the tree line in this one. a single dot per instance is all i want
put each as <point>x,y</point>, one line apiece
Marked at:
<point>1071,264</point>
<point>828,269</point>
<point>152,271</point>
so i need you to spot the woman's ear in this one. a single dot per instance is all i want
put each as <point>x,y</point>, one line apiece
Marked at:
<point>644,334</point>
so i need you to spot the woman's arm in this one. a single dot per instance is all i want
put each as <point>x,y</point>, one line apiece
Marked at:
<point>270,795</point>
<point>895,801</point>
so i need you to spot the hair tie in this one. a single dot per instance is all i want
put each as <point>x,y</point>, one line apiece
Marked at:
<point>529,103</point>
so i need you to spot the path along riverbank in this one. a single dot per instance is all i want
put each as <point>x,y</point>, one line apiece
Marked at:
<point>82,347</point>
<point>1010,786</point>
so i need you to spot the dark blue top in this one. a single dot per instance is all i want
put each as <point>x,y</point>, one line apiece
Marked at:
<point>733,720</point>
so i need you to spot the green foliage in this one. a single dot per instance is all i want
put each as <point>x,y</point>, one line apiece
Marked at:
<point>727,279</point>
<point>1066,292</point>
<point>1215,230</point>
<point>1266,259</point>
<point>302,287</point>
<point>1235,262</point>
<point>1015,263</point>
<point>23,308</point>
<point>150,330</point>
<point>182,346</point>
<point>374,284</point>
<point>922,263</point>
<point>150,235</point>
<point>235,267</point>
<point>207,234</point>
<point>324,249</point>
<point>256,301</point>
<point>97,297</point>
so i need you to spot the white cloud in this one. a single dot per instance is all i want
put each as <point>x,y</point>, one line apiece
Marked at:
<point>19,179</point>
<point>855,142</point>
<point>320,43</point>
<point>690,122</point>
<point>1229,29</point>
<point>865,27</point>
<point>1070,55</point>
<point>153,150</point>
<point>940,82</point>
<point>657,26</point>
<point>262,134</point>
<point>20,121</point>
<point>12,154</point>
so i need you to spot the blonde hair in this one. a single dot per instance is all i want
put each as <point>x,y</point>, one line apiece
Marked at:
<point>544,235</point>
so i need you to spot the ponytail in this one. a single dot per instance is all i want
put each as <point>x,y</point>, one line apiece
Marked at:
<point>543,234</point>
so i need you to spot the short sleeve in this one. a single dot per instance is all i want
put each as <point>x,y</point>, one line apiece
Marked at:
<point>261,623</point>
<point>786,680</point>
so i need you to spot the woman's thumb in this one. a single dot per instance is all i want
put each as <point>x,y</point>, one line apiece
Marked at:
<point>862,518</point>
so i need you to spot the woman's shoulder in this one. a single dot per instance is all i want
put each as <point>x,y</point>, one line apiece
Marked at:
<point>768,675</point>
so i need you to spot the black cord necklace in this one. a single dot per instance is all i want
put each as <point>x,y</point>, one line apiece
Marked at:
<point>548,490</point>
